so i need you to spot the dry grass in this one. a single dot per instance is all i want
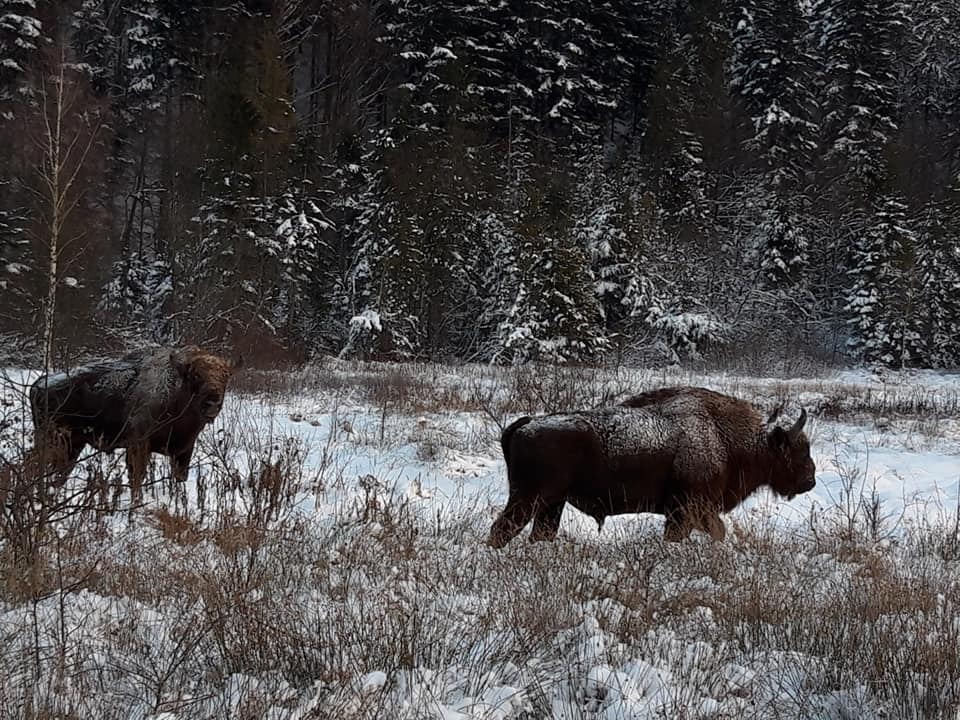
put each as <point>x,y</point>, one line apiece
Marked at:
<point>424,388</point>
<point>195,607</point>
<point>241,604</point>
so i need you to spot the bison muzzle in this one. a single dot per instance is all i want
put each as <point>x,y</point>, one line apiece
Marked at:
<point>150,401</point>
<point>686,453</point>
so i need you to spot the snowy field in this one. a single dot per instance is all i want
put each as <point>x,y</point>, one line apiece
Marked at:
<point>326,560</point>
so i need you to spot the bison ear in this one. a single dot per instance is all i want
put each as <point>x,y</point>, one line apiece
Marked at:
<point>776,413</point>
<point>236,362</point>
<point>177,362</point>
<point>182,365</point>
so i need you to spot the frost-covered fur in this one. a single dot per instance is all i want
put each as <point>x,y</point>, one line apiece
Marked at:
<point>153,400</point>
<point>687,453</point>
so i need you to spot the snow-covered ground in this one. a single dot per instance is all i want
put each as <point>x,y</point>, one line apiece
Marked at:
<point>353,581</point>
<point>910,461</point>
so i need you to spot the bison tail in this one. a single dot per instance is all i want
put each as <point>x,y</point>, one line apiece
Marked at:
<point>508,432</point>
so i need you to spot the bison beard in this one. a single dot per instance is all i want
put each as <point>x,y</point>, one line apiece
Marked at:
<point>686,453</point>
<point>150,401</point>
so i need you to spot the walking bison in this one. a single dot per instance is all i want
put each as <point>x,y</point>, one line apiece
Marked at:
<point>149,401</point>
<point>684,452</point>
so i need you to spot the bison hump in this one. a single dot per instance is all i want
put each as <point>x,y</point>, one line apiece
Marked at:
<point>620,431</point>
<point>632,431</point>
<point>558,422</point>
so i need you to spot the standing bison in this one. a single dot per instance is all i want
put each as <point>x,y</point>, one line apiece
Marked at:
<point>684,452</point>
<point>155,400</point>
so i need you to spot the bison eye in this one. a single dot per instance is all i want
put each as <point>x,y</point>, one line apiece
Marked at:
<point>208,397</point>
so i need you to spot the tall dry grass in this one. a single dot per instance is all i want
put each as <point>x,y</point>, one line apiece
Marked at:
<point>241,601</point>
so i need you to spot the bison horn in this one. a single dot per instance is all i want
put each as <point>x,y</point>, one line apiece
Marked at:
<point>775,414</point>
<point>178,360</point>
<point>798,425</point>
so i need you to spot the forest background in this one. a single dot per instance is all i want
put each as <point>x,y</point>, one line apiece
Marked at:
<point>551,180</point>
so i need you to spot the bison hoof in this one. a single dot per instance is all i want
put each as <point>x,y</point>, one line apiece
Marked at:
<point>496,542</point>
<point>541,538</point>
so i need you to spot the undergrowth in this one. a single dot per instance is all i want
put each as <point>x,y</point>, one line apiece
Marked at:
<point>281,587</point>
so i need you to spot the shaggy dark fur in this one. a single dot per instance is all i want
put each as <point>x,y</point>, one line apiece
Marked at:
<point>686,453</point>
<point>150,401</point>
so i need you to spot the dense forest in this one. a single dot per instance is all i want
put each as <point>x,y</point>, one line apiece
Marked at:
<point>558,180</point>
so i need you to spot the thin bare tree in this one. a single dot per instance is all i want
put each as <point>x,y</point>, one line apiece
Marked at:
<point>68,131</point>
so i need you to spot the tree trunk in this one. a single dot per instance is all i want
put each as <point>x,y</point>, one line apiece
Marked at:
<point>50,304</point>
<point>54,166</point>
<point>63,158</point>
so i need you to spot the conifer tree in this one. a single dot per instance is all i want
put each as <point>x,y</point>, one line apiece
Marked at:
<point>938,279</point>
<point>771,72</point>
<point>556,315</point>
<point>883,301</point>
<point>21,36</point>
<point>858,40</point>
<point>617,227</point>
<point>385,277</point>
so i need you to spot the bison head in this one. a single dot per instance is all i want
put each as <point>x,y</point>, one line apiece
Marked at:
<point>206,376</point>
<point>795,469</point>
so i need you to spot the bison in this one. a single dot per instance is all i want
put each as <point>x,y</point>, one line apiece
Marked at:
<point>149,401</point>
<point>684,452</point>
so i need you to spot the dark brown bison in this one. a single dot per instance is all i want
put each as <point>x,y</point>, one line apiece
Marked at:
<point>155,400</point>
<point>684,452</point>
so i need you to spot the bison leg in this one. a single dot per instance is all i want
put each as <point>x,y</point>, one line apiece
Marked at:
<point>137,458</point>
<point>70,452</point>
<point>676,528</point>
<point>714,526</point>
<point>56,452</point>
<point>703,516</point>
<point>682,521</point>
<point>180,464</point>
<point>512,520</point>
<point>546,522</point>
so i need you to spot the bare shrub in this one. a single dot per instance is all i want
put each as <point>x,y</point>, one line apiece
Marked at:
<point>348,616</point>
<point>287,580</point>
